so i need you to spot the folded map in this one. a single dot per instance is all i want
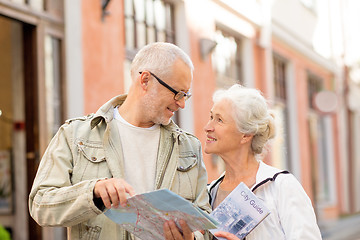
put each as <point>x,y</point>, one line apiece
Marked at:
<point>145,214</point>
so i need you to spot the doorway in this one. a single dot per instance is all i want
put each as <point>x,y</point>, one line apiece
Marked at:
<point>19,142</point>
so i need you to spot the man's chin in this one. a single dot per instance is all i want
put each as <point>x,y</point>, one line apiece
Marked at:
<point>163,121</point>
<point>167,122</point>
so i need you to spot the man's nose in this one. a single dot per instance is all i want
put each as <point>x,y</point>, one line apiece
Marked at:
<point>181,103</point>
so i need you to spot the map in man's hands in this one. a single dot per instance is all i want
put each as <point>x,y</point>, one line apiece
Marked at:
<point>145,214</point>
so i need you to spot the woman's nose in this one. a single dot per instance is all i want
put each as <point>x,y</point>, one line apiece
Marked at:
<point>208,127</point>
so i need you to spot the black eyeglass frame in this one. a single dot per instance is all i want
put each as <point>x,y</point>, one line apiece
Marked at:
<point>178,94</point>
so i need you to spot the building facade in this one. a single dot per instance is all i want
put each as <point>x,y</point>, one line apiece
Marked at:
<point>62,59</point>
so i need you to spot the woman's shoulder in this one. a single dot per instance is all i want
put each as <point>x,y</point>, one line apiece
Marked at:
<point>278,177</point>
<point>269,172</point>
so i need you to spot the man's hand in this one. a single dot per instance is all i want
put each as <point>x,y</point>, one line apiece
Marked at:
<point>113,191</point>
<point>171,231</point>
<point>226,235</point>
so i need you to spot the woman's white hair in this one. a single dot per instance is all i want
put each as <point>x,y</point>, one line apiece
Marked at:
<point>251,114</point>
<point>158,58</point>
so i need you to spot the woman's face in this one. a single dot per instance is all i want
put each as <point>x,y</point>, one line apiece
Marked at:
<point>222,134</point>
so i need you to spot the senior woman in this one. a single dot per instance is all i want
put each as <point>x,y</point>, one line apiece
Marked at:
<point>240,125</point>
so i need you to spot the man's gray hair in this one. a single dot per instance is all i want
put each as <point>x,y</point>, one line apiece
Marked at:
<point>158,58</point>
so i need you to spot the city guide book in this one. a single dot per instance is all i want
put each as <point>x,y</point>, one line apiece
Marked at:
<point>240,212</point>
<point>145,214</point>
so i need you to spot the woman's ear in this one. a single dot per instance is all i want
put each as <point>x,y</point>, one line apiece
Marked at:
<point>247,138</point>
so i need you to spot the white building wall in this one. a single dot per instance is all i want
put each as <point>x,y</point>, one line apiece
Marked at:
<point>74,59</point>
<point>293,17</point>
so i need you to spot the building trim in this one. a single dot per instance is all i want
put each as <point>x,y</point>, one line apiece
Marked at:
<point>26,14</point>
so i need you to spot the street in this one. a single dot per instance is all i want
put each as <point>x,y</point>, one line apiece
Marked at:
<point>344,229</point>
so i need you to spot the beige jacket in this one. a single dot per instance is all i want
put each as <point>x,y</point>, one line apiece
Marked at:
<point>87,149</point>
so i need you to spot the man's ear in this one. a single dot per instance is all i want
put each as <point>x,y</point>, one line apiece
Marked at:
<point>144,80</point>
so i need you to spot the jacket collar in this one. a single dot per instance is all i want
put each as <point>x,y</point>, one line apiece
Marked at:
<point>105,112</point>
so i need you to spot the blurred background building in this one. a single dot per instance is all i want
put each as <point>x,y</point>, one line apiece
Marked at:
<point>62,59</point>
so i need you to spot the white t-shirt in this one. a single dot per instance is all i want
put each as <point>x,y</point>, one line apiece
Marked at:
<point>140,148</point>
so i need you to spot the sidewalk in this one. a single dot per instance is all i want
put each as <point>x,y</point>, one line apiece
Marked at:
<point>347,228</point>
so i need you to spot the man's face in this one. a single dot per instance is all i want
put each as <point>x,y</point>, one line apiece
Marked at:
<point>160,102</point>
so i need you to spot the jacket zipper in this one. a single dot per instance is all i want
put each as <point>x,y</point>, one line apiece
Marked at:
<point>166,164</point>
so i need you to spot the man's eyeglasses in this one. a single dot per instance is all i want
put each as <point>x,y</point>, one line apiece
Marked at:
<point>178,94</point>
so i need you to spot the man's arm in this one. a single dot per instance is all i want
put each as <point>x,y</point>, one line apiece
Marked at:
<point>53,200</point>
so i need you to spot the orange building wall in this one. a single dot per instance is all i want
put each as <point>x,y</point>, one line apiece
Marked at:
<point>201,25</point>
<point>103,53</point>
<point>203,88</point>
<point>260,67</point>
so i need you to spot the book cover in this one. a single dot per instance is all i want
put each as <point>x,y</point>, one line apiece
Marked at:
<point>145,214</point>
<point>240,212</point>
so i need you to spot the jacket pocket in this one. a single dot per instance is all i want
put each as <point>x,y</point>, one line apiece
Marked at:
<point>91,162</point>
<point>186,162</point>
<point>92,152</point>
<point>185,182</point>
<point>91,229</point>
<point>90,232</point>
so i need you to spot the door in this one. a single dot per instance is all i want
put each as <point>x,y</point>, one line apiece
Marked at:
<point>19,142</point>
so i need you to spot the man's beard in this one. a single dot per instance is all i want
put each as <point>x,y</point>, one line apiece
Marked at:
<point>152,110</point>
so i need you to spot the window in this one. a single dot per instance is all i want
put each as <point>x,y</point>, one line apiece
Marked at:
<point>281,144</point>
<point>226,59</point>
<point>147,21</point>
<point>53,85</point>
<point>321,144</point>
<point>314,86</point>
<point>279,78</point>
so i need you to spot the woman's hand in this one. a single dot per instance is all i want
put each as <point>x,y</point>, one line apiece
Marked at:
<point>226,235</point>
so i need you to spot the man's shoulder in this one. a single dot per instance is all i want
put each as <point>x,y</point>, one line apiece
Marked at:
<point>190,135</point>
<point>79,119</point>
